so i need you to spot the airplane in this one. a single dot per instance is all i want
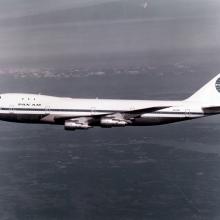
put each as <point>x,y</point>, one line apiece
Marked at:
<point>77,113</point>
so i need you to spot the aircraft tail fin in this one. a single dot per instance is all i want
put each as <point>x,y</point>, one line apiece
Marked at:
<point>209,94</point>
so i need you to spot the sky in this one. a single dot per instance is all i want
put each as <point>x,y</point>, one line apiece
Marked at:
<point>50,30</point>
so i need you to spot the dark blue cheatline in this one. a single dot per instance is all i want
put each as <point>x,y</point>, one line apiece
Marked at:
<point>99,111</point>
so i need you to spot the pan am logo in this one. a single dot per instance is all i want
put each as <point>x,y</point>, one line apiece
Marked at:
<point>217,84</point>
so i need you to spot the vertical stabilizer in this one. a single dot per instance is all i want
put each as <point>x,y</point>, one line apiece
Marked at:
<point>209,94</point>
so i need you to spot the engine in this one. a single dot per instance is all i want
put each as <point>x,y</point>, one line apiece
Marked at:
<point>112,122</point>
<point>74,124</point>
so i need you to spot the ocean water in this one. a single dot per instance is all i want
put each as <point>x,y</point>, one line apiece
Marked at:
<point>146,173</point>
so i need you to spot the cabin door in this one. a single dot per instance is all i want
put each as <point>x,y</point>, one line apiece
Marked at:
<point>47,110</point>
<point>93,110</point>
<point>11,109</point>
<point>187,113</point>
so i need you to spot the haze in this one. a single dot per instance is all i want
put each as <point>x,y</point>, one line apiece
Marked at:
<point>49,32</point>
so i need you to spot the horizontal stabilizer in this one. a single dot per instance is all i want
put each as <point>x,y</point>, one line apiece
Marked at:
<point>211,109</point>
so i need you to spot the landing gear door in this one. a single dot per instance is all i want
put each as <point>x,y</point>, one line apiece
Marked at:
<point>47,110</point>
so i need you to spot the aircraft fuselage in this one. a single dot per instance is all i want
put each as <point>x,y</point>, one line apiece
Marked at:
<point>86,113</point>
<point>30,108</point>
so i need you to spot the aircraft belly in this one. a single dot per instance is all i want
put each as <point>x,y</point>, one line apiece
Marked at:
<point>24,118</point>
<point>156,121</point>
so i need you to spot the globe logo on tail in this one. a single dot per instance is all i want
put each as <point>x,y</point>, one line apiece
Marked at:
<point>217,85</point>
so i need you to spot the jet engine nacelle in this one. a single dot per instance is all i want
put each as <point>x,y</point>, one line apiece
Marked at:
<point>112,122</point>
<point>73,125</point>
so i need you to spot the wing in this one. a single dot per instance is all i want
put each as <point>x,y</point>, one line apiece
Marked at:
<point>138,112</point>
<point>120,115</point>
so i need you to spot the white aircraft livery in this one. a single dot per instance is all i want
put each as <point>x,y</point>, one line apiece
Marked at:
<point>87,113</point>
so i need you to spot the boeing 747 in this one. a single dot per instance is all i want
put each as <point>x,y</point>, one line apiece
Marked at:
<point>75,113</point>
